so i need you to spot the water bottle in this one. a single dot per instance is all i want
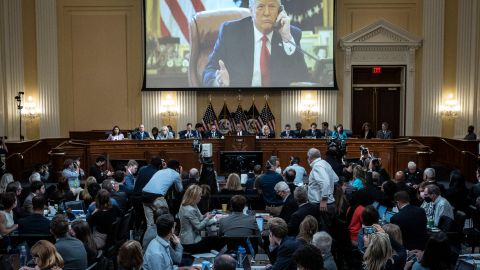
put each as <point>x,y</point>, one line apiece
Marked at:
<point>205,265</point>
<point>23,256</point>
<point>240,257</point>
<point>430,222</point>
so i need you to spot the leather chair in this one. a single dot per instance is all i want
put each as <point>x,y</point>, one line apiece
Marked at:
<point>204,28</point>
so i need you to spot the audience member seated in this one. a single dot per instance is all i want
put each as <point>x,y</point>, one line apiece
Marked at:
<point>340,133</point>
<point>71,249</point>
<point>325,132</point>
<point>151,231</point>
<point>155,134</point>
<point>102,218</point>
<point>475,189</point>
<point>159,254</point>
<point>308,228</point>
<point>81,230</point>
<point>7,224</point>
<point>266,133</point>
<point>323,241</point>
<point>6,179</point>
<point>401,185</point>
<point>18,211</point>
<point>384,133</point>
<point>72,172</point>
<point>289,204</point>
<point>165,134</point>
<point>368,218</point>
<point>281,246</point>
<point>237,224</point>
<point>233,185</point>
<point>287,133</point>
<point>113,188</point>
<point>299,131</point>
<point>412,221</point>
<point>289,176</point>
<point>130,170</point>
<point>375,166</point>
<point>36,223</point>
<point>308,257</point>
<point>358,177</point>
<point>300,172</point>
<point>141,134</point>
<point>436,255</point>
<point>383,253</point>
<point>393,232</point>
<point>192,222</point>
<point>224,262</point>
<point>36,188</point>
<point>188,133</point>
<point>208,176</point>
<point>213,133</point>
<point>45,256</point>
<point>116,135</point>
<point>471,136</point>
<point>62,192</point>
<point>457,192</point>
<point>441,207</point>
<point>413,175</point>
<point>359,201</point>
<point>34,177</point>
<point>193,178</point>
<point>367,132</point>
<point>313,132</point>
<point>85,195</point>
<point>304,209</point>
<point>429,176</point>
<point>130,256</point>
<point>266,187</point>
<point>99,170</point>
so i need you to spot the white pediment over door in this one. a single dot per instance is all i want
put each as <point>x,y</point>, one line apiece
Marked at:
<point>381,43</point>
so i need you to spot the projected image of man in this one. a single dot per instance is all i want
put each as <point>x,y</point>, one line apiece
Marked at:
<point>262,50</point>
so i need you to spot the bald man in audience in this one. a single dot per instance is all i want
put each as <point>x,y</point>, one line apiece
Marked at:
<point>403,186</point>
<point>224,262</point>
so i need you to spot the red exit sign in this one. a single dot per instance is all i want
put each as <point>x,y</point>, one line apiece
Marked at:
<point>376,70</point>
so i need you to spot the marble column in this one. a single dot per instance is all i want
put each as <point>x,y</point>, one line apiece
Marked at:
<point>47,68</point>
<point>187,105</point>
<point>432,67</point>
<point>151,102</point>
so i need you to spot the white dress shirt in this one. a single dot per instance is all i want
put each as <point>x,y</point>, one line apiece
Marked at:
<point>287,47</point>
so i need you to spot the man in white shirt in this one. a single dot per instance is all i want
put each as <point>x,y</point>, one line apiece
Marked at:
<point>321,182</point>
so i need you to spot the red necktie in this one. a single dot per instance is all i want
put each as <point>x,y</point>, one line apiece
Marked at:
<point>265,62</point>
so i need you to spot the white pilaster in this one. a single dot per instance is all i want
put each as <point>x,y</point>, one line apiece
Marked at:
<point>11,16</point>
<point>327,102</point>
<point>347,89</point>
<point>3,88</point>
<point>187,103</point>
<point>151,102</point>
<point>432,67</point>
<point>466,64</point>
<point>290,108</point>
<point>47,68</point>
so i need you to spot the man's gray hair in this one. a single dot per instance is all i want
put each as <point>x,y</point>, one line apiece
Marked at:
<point>193,173</point>
<point>412,165</point>
<point>282,186</point>
<point>300,195</point>
<point>433,189</point>
<point>251,3</point>
<point>313,153</point>
<point>429,173</point>
<point>323,241</point>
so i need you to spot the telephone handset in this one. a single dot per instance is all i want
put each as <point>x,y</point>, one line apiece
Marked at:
<point>277,23</point>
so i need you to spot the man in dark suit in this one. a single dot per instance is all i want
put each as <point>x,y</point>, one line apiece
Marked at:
<point>287,133</point>
<point>35,223</point>
<point>313,132</point>
<point>289,204</point>
<point>188,133</point>
<point>141,134</point>
<point>239,131</point>
<point>299,131</point>
<point>304,209</point>
<point>384,133</point>
<point>213,133</point>
<point>238,224</point>
<point>261,50</point>
<point>412,221</point>
<point>282,246</point>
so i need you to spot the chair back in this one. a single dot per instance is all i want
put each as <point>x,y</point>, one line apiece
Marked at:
<point>204,28</point>
<point>475,214</point>
<point>124,228</point>
<point>31,239</point>
<point>445,224</point>
<point>75,205</point>
<point>459,221</point>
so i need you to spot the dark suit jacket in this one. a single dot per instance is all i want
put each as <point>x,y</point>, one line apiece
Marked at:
<point>300,133</point>
<point>413,224</point>
<point>317,133</point>
<point>325,133</point>
<point>271,135</point>
<point>291,134</point>
<point>289,207</point>
<point>387,135</point>
<point>281,257</point>
<point>144,175</point>
<point>369,135</point>
<point>244,133</point>
<point>34,224</point>
<point>136,136</point>
<point>238,225</point>
<point>183,134</point>
<point>209,135</point>
<point>235,46</point>
<point>298,216</point>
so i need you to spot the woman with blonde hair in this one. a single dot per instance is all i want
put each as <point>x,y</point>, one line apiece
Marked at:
<point>393,232</point>
<point>7,178</point>
<point>192,222</point>
<point>130,256</point>
<point>266,133</point>
<point>45,256</point>
<point>233,185</point>
<point>383,252</point>
<point>308,228</point>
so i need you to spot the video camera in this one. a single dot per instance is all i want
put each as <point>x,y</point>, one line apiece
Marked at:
<point>336,147</point>
<point>363,149</point>
<point>204,149</point>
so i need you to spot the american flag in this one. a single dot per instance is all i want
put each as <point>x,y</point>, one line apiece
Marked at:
<point>175,15</point>
<point>252,115</point>
<point>224,120</point>
<point>240,117</point>
<point>266,117</point>
<point>209,117</point>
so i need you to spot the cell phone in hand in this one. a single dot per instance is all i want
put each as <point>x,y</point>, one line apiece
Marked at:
<point>368,230</point>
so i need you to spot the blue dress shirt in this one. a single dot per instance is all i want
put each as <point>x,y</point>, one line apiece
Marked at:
<point>162,180</point>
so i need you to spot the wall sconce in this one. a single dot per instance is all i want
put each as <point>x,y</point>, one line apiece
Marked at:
<point>309,109</point>
<point>30,110</point>
<point>450,108</point>
<point>168,109</point>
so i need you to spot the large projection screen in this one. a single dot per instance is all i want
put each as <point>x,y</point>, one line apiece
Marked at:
<point>239,44</point>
